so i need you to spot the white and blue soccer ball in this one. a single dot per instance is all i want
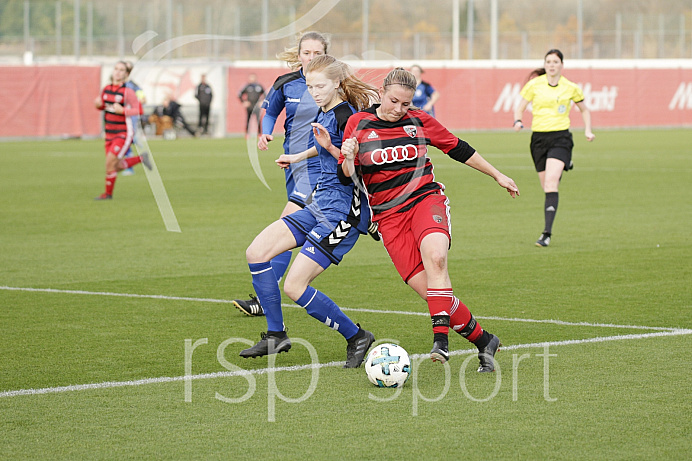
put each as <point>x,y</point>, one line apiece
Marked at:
<point>388,365</point>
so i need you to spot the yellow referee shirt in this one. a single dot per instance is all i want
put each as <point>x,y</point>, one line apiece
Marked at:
<point>551,104</point>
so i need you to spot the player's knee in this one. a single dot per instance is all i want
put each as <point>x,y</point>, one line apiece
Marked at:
<point>293,288</point>
<point>437,261</point>
<point>254,254</point>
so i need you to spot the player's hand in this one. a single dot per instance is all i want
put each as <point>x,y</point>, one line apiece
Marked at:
<point>98,102</point>
<point>118,108</point>
<point>589,136</point>
<point>264,140</point>
<point>349,148</point>
<point>508,183</point>
<point>284,161</point>
<point>518,126</point>
<point>321,135</point>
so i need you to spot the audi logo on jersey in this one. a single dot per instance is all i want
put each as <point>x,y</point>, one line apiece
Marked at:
<point>394,154</point>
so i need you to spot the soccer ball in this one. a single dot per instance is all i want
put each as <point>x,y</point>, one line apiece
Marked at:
<point>388,365</point>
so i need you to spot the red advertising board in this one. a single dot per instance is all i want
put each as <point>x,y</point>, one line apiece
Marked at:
<point>49,101</point>
<point>484,98</point>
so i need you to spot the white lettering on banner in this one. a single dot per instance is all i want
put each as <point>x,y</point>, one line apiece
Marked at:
<point>600,101</point>
<point>596,101</point>
<point>509,98</point>
<point>682,98</point>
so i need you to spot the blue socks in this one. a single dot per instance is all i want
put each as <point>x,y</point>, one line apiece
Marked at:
<point>267,289</point>
<point>319,306</point>
<point>280,264</point>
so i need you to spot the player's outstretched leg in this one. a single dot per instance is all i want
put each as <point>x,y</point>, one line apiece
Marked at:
<point>272,342</point>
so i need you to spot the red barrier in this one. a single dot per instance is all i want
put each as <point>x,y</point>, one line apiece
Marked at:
<point>49,101</point>
<point>480,99</point>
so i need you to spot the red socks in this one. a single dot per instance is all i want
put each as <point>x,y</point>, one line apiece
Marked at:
<point>130,161</point>
<point>447,310</point>
<point>110,182</point>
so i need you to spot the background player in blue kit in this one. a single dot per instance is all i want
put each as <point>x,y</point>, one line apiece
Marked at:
<point>290,93</point>
<point>425,96</point>
<point>327,228</point>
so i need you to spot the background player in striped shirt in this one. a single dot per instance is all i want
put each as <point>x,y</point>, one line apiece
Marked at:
<point>385,147</point>
<point>327,228</point>
<point>551,96</point>
<point>119,103</point>
<point>289,93</point>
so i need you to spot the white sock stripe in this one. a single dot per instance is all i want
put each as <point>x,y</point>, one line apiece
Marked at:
<point>308,303</point>
<point>455,306</point>
<point>261,272</point>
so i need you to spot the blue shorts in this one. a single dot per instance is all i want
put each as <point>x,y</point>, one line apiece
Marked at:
<point>325,241</point>
<point>301,181</point>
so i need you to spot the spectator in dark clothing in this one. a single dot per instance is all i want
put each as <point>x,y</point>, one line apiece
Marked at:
<point>171,109</point>
<point>251,98</point>
<point>204,96</point>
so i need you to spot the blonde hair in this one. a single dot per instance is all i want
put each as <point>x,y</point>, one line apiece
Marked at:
<point>400,76</point>
<point>356,92</point>
<point>291,55</point>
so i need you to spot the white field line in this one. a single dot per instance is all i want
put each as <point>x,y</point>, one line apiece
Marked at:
<point>261,371</point>
<point>346,309</point>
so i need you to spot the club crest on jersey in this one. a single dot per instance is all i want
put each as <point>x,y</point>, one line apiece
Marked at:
<point>410,130</point>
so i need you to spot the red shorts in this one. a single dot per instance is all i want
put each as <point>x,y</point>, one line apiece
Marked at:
<point>403,232</point>
<point>117,147</point>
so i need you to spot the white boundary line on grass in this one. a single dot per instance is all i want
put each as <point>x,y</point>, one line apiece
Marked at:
<point>349,309</point>
<point>262,371</point>
<point>661,331</point>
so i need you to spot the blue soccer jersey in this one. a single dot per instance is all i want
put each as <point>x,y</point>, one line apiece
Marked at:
<point>329,226</point>
<point>290,92</point>
<point>331,195</point>
<point>422,95</point>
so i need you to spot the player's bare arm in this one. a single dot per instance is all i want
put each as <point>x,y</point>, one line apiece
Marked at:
<point>284,160</point>
<point>477,162</point>
<point>323,139</point>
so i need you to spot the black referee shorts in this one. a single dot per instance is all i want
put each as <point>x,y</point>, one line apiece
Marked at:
<point>551,144</point>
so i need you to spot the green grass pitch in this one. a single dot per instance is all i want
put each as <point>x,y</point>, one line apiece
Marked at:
<point>89,373</point>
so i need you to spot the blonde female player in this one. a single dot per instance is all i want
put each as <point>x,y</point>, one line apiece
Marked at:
<point>326,229</point>
<point>289,93</point>
<point>385,147</point>
<point>551,142</point>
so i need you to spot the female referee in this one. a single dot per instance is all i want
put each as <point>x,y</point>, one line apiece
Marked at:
<point>385,147</point>
<point>551,140</point>
<point>327,228</point>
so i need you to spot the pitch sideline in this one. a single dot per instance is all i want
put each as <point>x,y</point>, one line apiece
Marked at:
<point>661,332</point>
<point>348,309</point>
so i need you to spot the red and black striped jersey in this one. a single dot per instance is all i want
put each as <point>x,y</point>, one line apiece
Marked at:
<point>392,157</point>
<point>117,125</point>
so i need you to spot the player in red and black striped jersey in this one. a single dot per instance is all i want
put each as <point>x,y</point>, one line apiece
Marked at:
<point>385,147</point>
<point>119,103</point>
